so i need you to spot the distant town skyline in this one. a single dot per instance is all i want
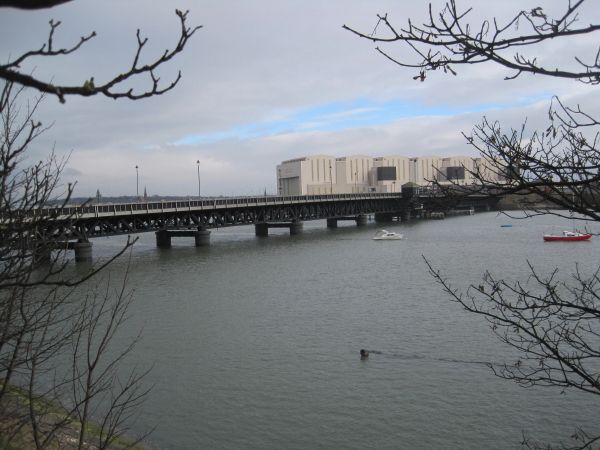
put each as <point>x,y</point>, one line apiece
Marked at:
<point>264,82</point>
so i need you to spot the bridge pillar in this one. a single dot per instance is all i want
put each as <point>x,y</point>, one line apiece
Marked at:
<point>383,217</point>
<point>163,239</point>
<point>332,223</point>
<point>296,228</point>
<point>202,237</point>
<point>405,215</point>
<point>83,250</point>
<point>361,220</point>
<point>261,229</point>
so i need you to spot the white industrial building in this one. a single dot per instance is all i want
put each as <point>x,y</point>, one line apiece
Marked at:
<point>390,173</point>
<point>322,174</point>
<point>307,176</point>
<point>353,173</point>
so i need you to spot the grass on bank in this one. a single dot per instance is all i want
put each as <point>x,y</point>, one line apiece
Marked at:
<point>16,432</point>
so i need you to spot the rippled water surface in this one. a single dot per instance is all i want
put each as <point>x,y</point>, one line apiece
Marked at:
<point>254,342</point>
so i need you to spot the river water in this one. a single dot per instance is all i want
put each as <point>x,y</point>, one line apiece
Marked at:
<point>254,342</point>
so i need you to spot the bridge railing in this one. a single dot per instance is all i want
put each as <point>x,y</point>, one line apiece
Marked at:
<point>115,209</point>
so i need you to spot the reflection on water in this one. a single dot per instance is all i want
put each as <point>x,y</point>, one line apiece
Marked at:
<point>255,341</point>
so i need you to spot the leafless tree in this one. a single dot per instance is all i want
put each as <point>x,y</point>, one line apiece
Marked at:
<point>92,391</point>
<point>553,324</point>
<point>559,164</point>
<point>46,315</point>
<point>50,316</point>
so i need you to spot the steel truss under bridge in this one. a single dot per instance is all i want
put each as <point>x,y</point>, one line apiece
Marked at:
<point>87,221</point>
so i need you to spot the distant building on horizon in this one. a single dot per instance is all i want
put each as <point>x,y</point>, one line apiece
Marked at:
<point>323,174</point>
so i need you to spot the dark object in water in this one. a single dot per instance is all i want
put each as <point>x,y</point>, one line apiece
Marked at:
<point>363,353</point>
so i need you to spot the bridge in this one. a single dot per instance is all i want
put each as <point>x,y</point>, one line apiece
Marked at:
<point>194,218</point>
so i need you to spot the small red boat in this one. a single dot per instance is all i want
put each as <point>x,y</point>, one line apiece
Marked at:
<point>568,236</point>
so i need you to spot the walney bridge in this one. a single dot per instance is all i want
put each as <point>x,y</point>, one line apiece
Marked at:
<point>74,226</point>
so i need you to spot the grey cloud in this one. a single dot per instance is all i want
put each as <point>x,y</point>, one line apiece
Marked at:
<point>250,61</point>
<point>70,172</point>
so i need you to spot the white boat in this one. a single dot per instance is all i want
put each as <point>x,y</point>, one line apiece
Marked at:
<point>382,235</point>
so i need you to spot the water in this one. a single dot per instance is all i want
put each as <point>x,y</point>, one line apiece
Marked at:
<point>255,342</point>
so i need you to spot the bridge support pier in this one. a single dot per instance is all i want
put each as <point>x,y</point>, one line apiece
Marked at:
<point>361,220</point>
<point>163,239</point>
<point>262,229</point>
<point>405,215</point>
<point>201,236</point>
<point>83,250</point>
<point>296,227</point>
<point>41,252</point>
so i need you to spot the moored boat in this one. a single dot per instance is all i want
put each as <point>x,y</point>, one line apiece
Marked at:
<point>568,236</point>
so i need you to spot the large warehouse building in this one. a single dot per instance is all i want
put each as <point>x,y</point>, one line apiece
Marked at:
<point>322,174</point>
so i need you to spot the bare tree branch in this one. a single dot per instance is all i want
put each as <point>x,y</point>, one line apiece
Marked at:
<point>31,4</point>
<point>445,42</point>
<point>554,326</point>
<point>112,88</point>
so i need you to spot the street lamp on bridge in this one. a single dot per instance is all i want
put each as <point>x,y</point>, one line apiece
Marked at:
<point>137,182</point>
<point>198,166</point>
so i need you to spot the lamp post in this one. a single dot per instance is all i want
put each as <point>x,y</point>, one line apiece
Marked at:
<point>198,167</point>
<point>330,180</point>
<point>137,181</point>
<point>356,181</point>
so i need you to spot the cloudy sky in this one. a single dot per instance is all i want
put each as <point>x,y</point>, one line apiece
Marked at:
<point>265,81</point>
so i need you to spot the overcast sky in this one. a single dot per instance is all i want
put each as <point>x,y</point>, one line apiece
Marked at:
<point>265,81</point>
